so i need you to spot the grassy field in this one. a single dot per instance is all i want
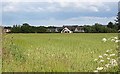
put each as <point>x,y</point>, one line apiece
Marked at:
<point>55,52</point>
<point>0,49</point>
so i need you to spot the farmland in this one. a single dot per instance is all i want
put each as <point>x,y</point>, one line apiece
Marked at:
<point>55,52</point>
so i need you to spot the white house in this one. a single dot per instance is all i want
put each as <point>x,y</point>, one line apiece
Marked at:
<point>79,29</point>
<point>66,30</point>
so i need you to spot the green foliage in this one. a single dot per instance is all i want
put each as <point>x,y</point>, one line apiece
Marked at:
<point>26,28</point>
<point>98,28</point>
<point>110,25</point>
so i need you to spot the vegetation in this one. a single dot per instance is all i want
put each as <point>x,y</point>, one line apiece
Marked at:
<point>97,28</point>
<point>26,28</point>
<point>0,49</point>
<point>55,52</point>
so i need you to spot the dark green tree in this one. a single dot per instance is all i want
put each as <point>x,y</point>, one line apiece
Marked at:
<point>110,25</point>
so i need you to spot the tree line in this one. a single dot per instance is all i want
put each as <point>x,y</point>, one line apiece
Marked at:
<point>99,28</point>
<point>96,28</point>
<point>26,28</point>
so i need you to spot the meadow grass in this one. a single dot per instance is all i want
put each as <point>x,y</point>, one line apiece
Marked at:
<point>0,49</point>
<point>54,52</point>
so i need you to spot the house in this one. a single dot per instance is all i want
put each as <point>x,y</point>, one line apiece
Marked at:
<point>66,30</point>
<point>79,29</point>
<point>51,29</point>
<point>75,28</point>
<point>54,29</point>
<point>7,29</point>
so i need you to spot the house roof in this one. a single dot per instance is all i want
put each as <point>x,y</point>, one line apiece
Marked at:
<point>72,28</point>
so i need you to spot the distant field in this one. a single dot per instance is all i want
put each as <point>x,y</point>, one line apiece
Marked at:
<point>55,52</point>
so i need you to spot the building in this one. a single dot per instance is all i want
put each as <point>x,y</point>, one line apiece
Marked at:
<point>75,28</point>
<point>54,29</point>
<point>79,29</point>
<point>7,29</point>
<point>66,30</point>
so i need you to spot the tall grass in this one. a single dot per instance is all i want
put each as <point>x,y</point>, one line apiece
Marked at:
<point>54,52</point>
<point>0,49</point>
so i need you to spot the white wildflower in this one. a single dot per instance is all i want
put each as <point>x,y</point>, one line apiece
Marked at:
<point>105,54</point>
<point>113,62</point>
<point>101,60</point>
<point>95,59</point>
<point>95,71</point>
<point>107,65</point>
<point>116,41</point>
<point>112,54</point>
<point>108,58</point>
<point>104,39</point>
<point>100,68</point>
<point>100,56</point>
<point>115,37</point>
<point>107,50</point>
<point>112,40</point>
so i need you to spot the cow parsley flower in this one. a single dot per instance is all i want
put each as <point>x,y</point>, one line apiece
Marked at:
<point>108,51</point>
<point>112,40</point>
<point>112,54</point>
<point>107,65</point>
<point>115,37</point>
<point>100,56</point>
<point>116,41</point>
<point>105,54</point>
<point>101,60</point>
<point>95,59</point>
<point>100,68</point>
<point>108,58</point>
<point>113,62</point>
<point>104,39</point>
<point>95,71</point>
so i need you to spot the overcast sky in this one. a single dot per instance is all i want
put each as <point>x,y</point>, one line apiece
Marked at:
<point>58,13</point>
